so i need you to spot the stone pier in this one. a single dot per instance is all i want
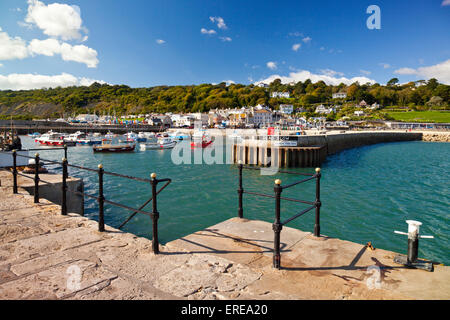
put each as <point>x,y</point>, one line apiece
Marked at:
<point>44,255</point>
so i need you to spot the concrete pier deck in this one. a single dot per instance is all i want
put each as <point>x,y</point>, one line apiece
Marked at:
<point>44,255</point>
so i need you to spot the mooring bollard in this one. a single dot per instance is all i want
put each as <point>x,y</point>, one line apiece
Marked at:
<point>155,214</point>
<point>240,191</point>
<point>14,154</point>
<point>277,226</point>
<point>318,204</point>
<point>36,178</point>
<point>411,260</point>
<point>101,200</point>
<point>64,187</point>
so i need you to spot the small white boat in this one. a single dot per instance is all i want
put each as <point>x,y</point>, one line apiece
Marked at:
<point>151,143</point>
<point>166,143</point>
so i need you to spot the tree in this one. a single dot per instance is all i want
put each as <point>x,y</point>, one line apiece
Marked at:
<point>392,82</point>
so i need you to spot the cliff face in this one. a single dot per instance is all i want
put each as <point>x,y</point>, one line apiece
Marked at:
<point>36,109</point>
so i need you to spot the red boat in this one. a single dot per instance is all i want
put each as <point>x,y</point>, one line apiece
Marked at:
<point>200,140</point>
<point>202,144</point>
<point>53,139</point>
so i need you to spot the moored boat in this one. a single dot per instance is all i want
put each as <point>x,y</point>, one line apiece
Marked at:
<point>114,145</point>
<point>201,139</point>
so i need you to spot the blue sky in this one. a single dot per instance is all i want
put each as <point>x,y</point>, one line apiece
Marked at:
<point>78,41</point>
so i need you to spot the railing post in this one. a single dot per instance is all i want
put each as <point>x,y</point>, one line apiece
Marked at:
<point>155,215</point>
<point>14,154</point>
<point>240,191</point>
<point>36,178</point>
<point>277,226</point>
<point>64,188</point>
<point>318,204</point>
<point>101,200</point>
<point>65,151</point>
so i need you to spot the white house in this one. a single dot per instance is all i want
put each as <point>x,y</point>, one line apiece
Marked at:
<point>87,117</point>
<point>286,108</point>
<point>359,113</point>
<point>339,95</point>
<point>181,120</point>
<point>262,117</point>
<point>280,95</point>
<point>324,110</point>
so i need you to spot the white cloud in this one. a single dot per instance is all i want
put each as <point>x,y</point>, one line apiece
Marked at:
<point>204,31</point>
<point>220,22</point>
<point>385,65</point>
<point>365,72</point>
<point>445,3</point>
<point>228,82</point>
<point>405,71</point>
<point>12,48</point>
<point>160,41</point>
<point>35,81</point>
<point>440,71</point>
<point>226,39</point>
<point>296,46</point>
<point>1,65</point>
<point>303,75</point>
<point>79,53</point>
<point>307,39</point>
<point>56,19</point>
<point>271,65</point>
<point>330,73</point>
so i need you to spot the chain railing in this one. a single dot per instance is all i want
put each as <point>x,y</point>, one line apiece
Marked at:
<point>278,188</point>
<point>100,198</point>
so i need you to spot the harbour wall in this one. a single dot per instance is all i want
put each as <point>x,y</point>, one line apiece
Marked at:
<point>311,150</point>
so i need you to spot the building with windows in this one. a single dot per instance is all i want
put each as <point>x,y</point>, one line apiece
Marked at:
<point>280,95</point>
<point>286,108</point>
<point>339,95</point>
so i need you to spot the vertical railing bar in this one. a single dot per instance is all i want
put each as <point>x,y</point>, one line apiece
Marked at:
<point>36,178</point>
<point>64,187</point>
<point>240,192</point>
<point>101,219</point>
<point>277,226</point>
<point>317,204</point>
<point>155,214</point>
<point>14,154</point>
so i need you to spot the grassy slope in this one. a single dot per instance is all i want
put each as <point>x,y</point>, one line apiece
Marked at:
<point>421,116</point>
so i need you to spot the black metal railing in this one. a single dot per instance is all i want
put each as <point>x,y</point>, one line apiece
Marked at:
<point>278,188</point>
<point>154,215</point>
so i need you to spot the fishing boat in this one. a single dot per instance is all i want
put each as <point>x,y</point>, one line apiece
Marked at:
<point>201,139</point>
<point>89,141</point>
<point>131,136</point>
<point>74,137</point>
<point>166,143</point>
<point>54,139</point>
<point>114,145</point>
<point>151,143</point>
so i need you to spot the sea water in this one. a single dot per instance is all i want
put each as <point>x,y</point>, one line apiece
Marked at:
<point>366,193</point>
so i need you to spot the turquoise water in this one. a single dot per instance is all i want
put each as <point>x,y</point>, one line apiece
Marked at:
<point>367,193</point>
